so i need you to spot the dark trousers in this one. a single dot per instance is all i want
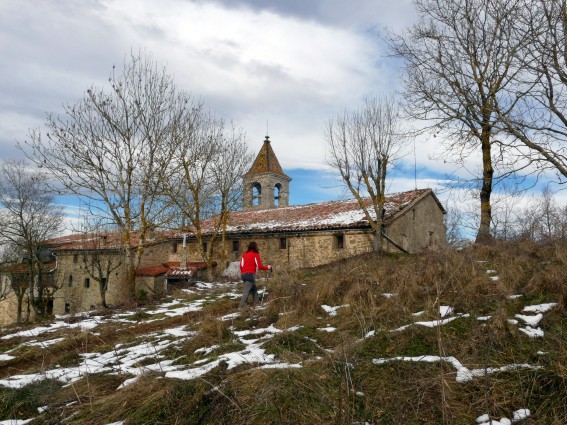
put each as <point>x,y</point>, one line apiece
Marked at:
<point>249,289</point>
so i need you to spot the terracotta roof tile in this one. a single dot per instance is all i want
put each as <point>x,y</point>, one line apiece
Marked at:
<point>266,161</point>
<point>106,240</point>
<point>24,268</point>
<point>320,216</point>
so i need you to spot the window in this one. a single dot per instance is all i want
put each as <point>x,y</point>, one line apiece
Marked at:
<point>67,308</point>
<point>104,283</point>
<point>70,282</point>
<point>277,191</point>
<point>283,243</point>
<point>340,241</point>
<point>87,282</point>
<point>174,248</point>
<point>75,258</point>
<point>235,246</point>
<point>204,246</point>
<point>256,194</point>
<point>413,213</point>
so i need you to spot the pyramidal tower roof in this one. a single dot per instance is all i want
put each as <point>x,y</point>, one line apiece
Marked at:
<point>266,161</point>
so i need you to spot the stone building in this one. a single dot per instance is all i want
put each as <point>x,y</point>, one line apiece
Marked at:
<point>315,234</point>
<point>14,283</point>
<point>288,236</point>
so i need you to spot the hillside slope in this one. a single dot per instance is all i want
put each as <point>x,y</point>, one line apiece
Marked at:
<point>444,338</point>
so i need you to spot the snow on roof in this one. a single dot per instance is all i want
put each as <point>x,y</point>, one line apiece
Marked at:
<point>320,216</point>
<point>330,215</point>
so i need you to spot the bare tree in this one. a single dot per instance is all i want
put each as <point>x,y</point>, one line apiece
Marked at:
<point>206,183</point>
<point>114,148</point>
<point>29,217</point>
<point>539,116</point>
<point>363,145</point>
<point>459,60</point>
<point>231,164</point>
<point>98,257</point>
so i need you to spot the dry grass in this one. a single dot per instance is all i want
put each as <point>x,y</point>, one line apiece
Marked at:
<point>338,383</point>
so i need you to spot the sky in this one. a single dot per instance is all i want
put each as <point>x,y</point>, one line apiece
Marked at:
<point>278,67</point>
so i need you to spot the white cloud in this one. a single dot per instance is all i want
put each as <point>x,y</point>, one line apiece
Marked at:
<point>253,65</point>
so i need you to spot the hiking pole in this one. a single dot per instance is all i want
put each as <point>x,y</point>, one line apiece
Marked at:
<point>265,286</point>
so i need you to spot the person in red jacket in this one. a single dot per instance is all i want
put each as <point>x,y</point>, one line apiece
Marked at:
<point>249,265</point>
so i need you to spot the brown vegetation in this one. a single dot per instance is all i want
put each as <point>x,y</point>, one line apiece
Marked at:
<point>338,381</point>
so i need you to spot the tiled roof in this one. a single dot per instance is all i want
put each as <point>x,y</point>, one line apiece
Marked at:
<point>24,268</point>
<point>320,216</point>
<point>105,241</point>
<point>266,161</point>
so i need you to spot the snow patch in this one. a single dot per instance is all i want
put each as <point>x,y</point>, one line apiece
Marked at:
<point>332,311</point>
<point>463,373</point>
<point>539,308</point>
<point>6,357</point>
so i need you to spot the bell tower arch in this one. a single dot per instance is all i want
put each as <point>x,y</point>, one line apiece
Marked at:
<point>265,184</point>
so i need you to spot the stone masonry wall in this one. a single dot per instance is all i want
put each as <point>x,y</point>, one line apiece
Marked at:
<point>307,250</point>
<point>267,183</point>
<point>419,228</point>
<point>73,295</point>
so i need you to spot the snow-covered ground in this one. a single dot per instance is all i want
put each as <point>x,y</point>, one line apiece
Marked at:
<point>147,355</point>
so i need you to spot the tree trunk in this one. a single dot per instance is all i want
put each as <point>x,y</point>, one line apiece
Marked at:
<point>19,309</point>
<point>377,241</point>
<point>483,236</point>
<point>102,288</point>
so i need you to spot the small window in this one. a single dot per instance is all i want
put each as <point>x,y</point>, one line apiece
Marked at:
<point>283,243</point>
<point>235,246</point>
<point>204,246</point>
<point>174,248</point>
<point>70,282</point>
<point>256,194</point>
<point>413,213</point>
<point>104,283</point>
<point>87,282</point>
<point>67,308</point>
<point>75,258</point>
<point>277,194</point>
<point>340,241</point>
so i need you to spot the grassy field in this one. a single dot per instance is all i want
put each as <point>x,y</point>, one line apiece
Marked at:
<point>449,337</point>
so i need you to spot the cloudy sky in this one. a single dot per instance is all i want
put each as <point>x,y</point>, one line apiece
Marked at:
<point>285,65</point>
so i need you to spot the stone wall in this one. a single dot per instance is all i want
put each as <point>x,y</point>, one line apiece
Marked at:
<point>296,250</point>
<point>74,296</point>
<point>160,253</point>
<point>8,309</point>
<point>420,228</point>
<point>267,182</point>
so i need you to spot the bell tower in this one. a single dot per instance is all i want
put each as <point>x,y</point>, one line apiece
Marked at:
<point>265,184</point>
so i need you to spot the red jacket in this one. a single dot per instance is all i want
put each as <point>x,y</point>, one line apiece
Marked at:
<point>250,262</point>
